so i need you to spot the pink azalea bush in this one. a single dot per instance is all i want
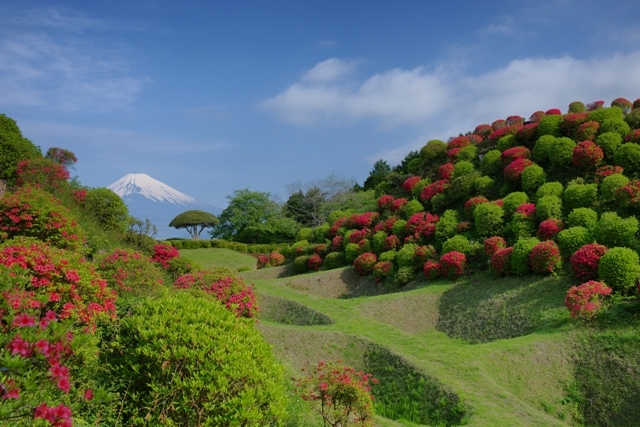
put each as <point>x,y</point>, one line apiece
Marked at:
<point>586,300</point>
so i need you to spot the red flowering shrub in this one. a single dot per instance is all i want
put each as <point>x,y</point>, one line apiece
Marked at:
<point>356,236</point>
<point>605,171</point>
<point>498,124</point>
<point>452,264</point>
<point>514,153</point>
<point>337,224</point>
<point>384,202</point>
<point>474,139</point>
<point>514,170</point>
<point>515,120</point>
<point>483,130</point>
<point>527,134</point>
<point>43,173</point>
<point>452,155</point>
<point>227,288</point>
<point>553,112</point>
<point>571,122</point>
<point>587,155</point>
<point>386,225</point>
<point>398,204</point>
<point>624,104</point>
<point>424,253</point>
<point>337,243</point>
<point>500,261</point>
<point>499,133</point>
<point>392,242</point>
<point>314,262</point>
<point>537,116</point>
<point>587,131</point>
<point>32,212</point>
<point>595,105</point>
<point>633,136</point>
<point>549,228</point>
<point>628,196</point>
<point>163,254</point>
<point>586,300</point>
<point>463,226</point>
<point>526,209</point>
<point>61,156</point>
<point>339,394</point>
<point>263,261</point>
<point>422,224</point>
<point>545,257</point>
<point>432,189</point>
<point>383,270</point>
<point>130,272</point>
<point>410,182</point>
<point>79,196</point>
<point>585,261</point>
<point>471,204</point>
<point>446,171</point>
<point>431,269</point>
<point>493,245</point>
<point>365,262</point>
<point>364,220</point>
<point>458,142</point>
<point>276,259</point>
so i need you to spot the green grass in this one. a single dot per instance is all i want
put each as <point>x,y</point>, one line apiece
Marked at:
<point>215,257</point>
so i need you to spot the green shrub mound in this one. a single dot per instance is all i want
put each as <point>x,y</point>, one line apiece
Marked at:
<point>468,153</point>
<point>580,196</point>
<point>541,148</point>
<point>301,264</point>
<point>611,230</point>
<point>550,189</point>
<point>433,151</point>
<point>610,184</point>
<point>404,275</point>
<point>491,163</point>
<point>335,260</point>
<point>572,239</point>
<point>628,156</point>
<point>619,269</point>
<point>412,208</point>
<point>549,207</point>
<point>457,243</point>
<point>305,233</point>
<point>489,219</point>
<point>506,142</point>
<point>519,261</point>
<point>550,125</point>
<point>463,167</point>
<point>446,226</point>
<point>483,185</point>
<point>405,256</point>
<point>107,208</point>
<point>512,201</point>
<point>462,188</point>
<point>609,142</point>
<point>399,228</point>
<point>602,114</point>
<point>583,217</point>
<point>532,178</point>
<point>618,126</point>
<point>577,107</point>
<point>184,359</point>
<point>561,152</point>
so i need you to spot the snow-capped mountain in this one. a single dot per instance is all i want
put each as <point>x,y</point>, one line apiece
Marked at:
<point>149,198</point>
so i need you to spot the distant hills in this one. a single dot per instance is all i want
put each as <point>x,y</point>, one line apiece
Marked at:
<point>149,198</point>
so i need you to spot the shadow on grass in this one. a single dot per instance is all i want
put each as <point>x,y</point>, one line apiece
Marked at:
<point>284,311</point>
<point>485,308</point>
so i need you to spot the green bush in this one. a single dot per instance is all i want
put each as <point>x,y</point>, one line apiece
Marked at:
<point>320,233</point>
<point>388,256</point>
<point>204,243</point>
<point>628,156</point>
<point>541,148</point>
<point>483,185</point>
<point>491,163</point>
<point>177,244</point>
<point>561,152</point>
<point>550,189</point>
<point>446,226</point>
<point>457,243</point>
<point>572,239</point>
<point>417,189</point>
<point>550,125</point>
<point>190,244</point>
<point>377,242</point>
<point>520,227</point>
<point>130,272</point>
<point>399,228</point>
<point>583,217</point>
<point>610,184</point>
<point>217,370</point>
<point>602,114</point>
<point>13,149</point>
<point>611,230</point>
<point>577,107</point>
<point>305,233</point>
<point>440,202</point>
<point>413,207</point>
<point>463,167</point>
<point>489,219</point>
<point>468,153</point>
<point>405,256</point>
<point>461,188</point>
<point>107,208</point>
<point>506,142</point>
<point>549,207</point>
<point>301,264</point>
<point>532,178</point>
<point>619,269</point>
<point>633,119</point>
<point>433,151</point>
<point>609,142</point>
<point>519,261</point>
<point>352,251</point>
<point>618,126</point>
<point>335,260</point>
<point>512,201</point>
<point>580,196</point>
<point>404,275</point>
<point>180,266</point>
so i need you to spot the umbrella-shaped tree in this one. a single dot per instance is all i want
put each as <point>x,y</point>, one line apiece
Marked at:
<point>194,221</point>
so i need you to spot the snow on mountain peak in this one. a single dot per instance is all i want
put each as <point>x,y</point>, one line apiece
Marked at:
<point>150,188</point>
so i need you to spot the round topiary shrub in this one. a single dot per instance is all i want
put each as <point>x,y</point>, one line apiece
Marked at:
<point>587,131</point>
<point>585,261</point>
<point>463,167</point>
<point>406,256</point>
<point>468,153</point>
<point>483,185</point>
<point>107,208</point>
<point>305,233</point>
<point>452,264</point>
<point>398,228</point>
<point>404,275</point>
<point>512,201</point>
<point>433,151</point>
<point>619,269</point>
<point>633,118</point>
<point>514,170</point>
<point>586,300</point>
<point>609,142</point>
<point>378,242</point>
<point>541,148</point>
<point>611,230</point>
<point>457,243</point>
<point>216,362</point>
<point>545,257</point>
<point>550,189</point>
<point>572,239</point>
<point>388,256</point>
<point>550,125</point>
<point>301,263</point>
<point>519,261</point>
<point>412,208</point>
<point>600,115</point>
<point>314,262</point>
<point>549,228</point>
<point>471,204</point>
<point>383,270</point>
<point>611,184</point>
<point>628,156</point>
<point>624,104</point>
<point>532,178</point>
<point>618,126</point>
<point>130,272</point>
<point>493,245</point>
<point>163,253</point>
<point>276,259</point>
<point>549,207</point>
<point>423,253</point>
<point>500,261</point>
<point>446,225</point>
<point>571,122</point>
<point>629,195</point>
<point>431,190</point>
<point>491,163</point>
<point>577,107</point>
<point>489,219</point>
<point>506,142</point>
<point>365,262</point>
<point>561,152</point>
<point>446,171</point>
<point>583,217</point>
<point>580,196</point>
<point>587,155</point>
<point>633,136</point>
<point>431,269</point>
<point>409,183</point>
<point>527,134</point>
<point>335,260</point>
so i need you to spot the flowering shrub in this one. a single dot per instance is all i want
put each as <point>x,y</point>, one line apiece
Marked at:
<point>512,201</point>
<point>499,133</point>
<point>384,202</point>
<point>446,171</point>
<point>514,153</point>
<point>463,226</point>
<point>422,224</point>
<point>452,155</point>
<point>227,288</point>
<point>514,120</point>
<point>527,134</point>
<point>537,116</point>
<point>545,257</point>
<point>383,270</point>
<point>633,136</point>
<point>458,142</point>
<point>483,130</point>
<point>162,254</point>
<point>43,173</point>
<point>61,156</point>
<point>628,196</point>
<point>585,261</point>
<point>423,253</point>
<point>356,236</point>
<point>587,155</point>
<point>410,182</point>
<point>314,262</point>
<point>337,243</point>
<point>586,300</point>
<point>606,171</point>
<point>474,139</point>
<point>526,209</point>
<point>549,228</point>
<point>471,204</point>
<point>500,261</point>
<point>493,245</point>
<point>364,220</point>
<point>595,105</point>
<point>262,262</point>
<point>398,204</point>
<point>619,269</point>
<point>339,394</point>
<point>587,131</point>
<point>392,242</point>
<point>571,122</point>
<point>79,196</point>
<point>553,112</point>
<point>32,212</point>
<point>431,269</point>
<point>514,170</point>
<point>498,124</point>
<point>276,259</point>
<point>452,264</point>
<point>337,225</point>
<point>130,272</point>
<point>365,262</point>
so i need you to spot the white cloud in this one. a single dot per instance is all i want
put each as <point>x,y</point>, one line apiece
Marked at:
<point>331,70</point>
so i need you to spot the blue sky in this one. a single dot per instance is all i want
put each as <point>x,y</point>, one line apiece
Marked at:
<point>211,97</point>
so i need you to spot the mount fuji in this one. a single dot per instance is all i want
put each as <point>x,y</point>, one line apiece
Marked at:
<point>147,197</point>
